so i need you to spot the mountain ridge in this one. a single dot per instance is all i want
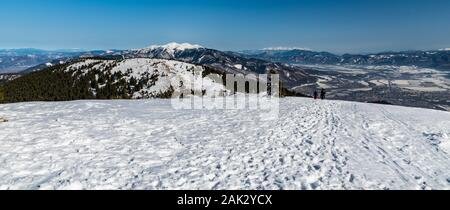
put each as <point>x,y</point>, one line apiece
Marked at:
<point>430,59</point>
<point>16,60</point>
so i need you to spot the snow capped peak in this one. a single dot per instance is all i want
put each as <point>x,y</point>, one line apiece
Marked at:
<point>175,46</point>
<point>286,48</point>
<point>445,49</point>
<point>170,48</point>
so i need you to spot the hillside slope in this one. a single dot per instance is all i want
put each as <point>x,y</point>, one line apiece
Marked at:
<point>112,79</point>
<point>145,144</point>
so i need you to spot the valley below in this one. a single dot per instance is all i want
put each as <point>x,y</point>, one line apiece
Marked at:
<point>400,85</point>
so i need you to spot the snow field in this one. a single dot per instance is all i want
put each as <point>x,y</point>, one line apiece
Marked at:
<point>146,144</point>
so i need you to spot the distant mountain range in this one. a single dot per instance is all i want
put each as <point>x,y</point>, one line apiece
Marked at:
<point>225,62</point>
<point>439,59</point>
<point>29,60</point>
<point>413,78</point>
<point>16,60</point>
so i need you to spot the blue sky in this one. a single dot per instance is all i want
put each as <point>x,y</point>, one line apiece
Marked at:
<point>330,25</point>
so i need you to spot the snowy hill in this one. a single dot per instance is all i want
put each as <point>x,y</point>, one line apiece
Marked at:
<point>96,78</point>
<point>155,75</point>
<point>169,49</point>
<point>145,144</point>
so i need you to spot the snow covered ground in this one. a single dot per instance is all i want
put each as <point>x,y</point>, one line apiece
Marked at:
<point>145,144</point>
<point>169,76</point>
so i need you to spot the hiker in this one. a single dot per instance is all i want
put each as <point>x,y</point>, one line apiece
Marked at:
<point>322,94</point>
<point>316,95</point>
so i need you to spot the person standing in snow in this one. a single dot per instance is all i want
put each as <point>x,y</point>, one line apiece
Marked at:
<point>322,94</point>
<point>3,120</point>
<point>316,95</point>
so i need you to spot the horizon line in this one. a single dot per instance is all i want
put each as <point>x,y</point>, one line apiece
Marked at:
<point>279,48</point>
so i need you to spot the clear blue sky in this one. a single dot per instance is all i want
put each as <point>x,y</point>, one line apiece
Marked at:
<point>331,25</point>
